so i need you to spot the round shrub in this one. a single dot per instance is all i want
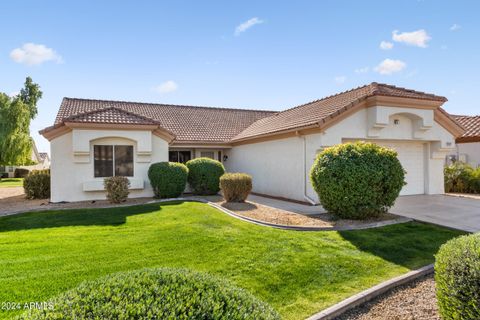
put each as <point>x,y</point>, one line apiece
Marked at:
<point>236,186</point>
<point>457,278</point>
<point>37,185</point>
<point>156,294</point>
<point>20,173</point>
<point>116,188</point>
<point>168,179</point>
<point>204,175</point>
<point>357,180</point>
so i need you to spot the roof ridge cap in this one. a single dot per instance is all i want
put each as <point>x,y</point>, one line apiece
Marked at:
<point>170,105</point>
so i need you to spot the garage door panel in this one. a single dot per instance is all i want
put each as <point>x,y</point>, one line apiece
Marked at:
<point>411,156</point>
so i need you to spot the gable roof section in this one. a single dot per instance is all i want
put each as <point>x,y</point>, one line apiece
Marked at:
<point>472,128</point>
<point>319,111</point>
<point>44,156</point>
<point>110,115</point>
<point>188,123</point>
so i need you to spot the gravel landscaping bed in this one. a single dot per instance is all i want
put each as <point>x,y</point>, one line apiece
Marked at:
<point>414,301</point>
<point>281,217</point>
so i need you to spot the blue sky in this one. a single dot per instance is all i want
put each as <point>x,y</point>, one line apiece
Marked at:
<point>252,54</point>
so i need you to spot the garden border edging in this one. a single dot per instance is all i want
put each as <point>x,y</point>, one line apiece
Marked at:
<point>369,294</point>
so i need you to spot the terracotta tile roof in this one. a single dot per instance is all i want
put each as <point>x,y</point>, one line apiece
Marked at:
<point>471,124</point>
<point>110,115</point>
<point>188,123</point>
<point>316,111</point>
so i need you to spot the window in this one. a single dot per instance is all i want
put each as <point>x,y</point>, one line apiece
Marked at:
<point>113,160</point>
<point>179,156</point>
<point>207,154</point>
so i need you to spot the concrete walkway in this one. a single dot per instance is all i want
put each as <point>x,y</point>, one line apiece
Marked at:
<point>299,208</point>
<point>450,211</point>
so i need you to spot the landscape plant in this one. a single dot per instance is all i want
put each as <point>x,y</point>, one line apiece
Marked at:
<point>204,175</point>
<point>457,278</point>
<point>161,293</point>
<point>168,179</point>
<point>235,186</point>
<point>357,180</point>
<point>36,185</point>
<point>116,188</point>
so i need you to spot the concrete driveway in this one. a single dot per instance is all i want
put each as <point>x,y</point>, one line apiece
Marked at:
<point>450,211</point>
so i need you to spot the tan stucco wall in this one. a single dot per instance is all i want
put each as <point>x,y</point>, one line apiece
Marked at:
<point>472,152</point>
<point>72,172</point>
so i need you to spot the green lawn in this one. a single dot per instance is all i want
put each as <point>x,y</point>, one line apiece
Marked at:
<point>11,182</point>
<point>298,273</point>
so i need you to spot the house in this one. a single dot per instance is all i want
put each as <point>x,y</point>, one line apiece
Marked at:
<point>40,159</point>
<point>93,139</point>
<point>468,144</point>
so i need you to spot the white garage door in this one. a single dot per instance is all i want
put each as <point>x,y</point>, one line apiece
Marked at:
<point>411,156</point>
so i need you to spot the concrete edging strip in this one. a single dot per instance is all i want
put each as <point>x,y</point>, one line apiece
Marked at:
<point>369,294</point>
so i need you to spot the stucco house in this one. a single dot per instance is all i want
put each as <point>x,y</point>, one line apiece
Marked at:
<point>468,145</point>
<point>93,139</point>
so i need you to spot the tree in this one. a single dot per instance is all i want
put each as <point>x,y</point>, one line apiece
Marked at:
<point>16,113</point>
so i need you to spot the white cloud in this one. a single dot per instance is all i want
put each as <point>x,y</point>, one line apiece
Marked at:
<point>34,54</point>
<point>247,25</point>
<point>389,66</point>
<point>455,27</point>
<point>362,70</point>
<point>340,79</point>
<point>385,45</point>
<point>166,87</point>
<point>417,38</point>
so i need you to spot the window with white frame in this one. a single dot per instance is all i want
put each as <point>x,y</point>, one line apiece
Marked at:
<point>112,160</point>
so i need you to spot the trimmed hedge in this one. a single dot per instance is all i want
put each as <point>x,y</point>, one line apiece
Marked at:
<point>168,179</point>
<point>357,180</point>
<point>457,278</point>
<point>236,186</point>
<point>37,184</point>
<point>204,175</point>
<point>116,188</point>
<point>20,173</point>
<point>156,294</point>
<point>461,177</point>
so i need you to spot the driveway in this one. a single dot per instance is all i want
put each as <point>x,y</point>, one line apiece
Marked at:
<point>450,211</point>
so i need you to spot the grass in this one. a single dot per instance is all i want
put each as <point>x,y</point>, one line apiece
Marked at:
<point>11,182</point>
<point>298,273</point>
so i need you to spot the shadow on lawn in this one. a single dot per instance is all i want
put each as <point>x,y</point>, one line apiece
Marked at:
<point>412,245</point>
<point>76,217</point>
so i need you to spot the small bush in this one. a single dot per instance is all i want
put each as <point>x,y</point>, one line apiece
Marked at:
<point>457,278</point>
<point>156,294</point>
<point>204,175</point>
<point>357,180</point>
<point>458,177</point>
<point>168,179</point>
<point>236,186</point>
<point>20,173</point>
<point>37,185</point>
<point>116,188</point>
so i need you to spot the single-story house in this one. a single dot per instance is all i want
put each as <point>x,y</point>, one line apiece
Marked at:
<point>468,145</point>
<point>94,139</point>
<point>41,161</point>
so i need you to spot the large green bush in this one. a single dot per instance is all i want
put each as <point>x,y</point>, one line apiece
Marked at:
<point>156,294</point>
<point>168,179</point>
<point>357,180</point>
<point>236,186</point>
<point>204,175</point>
<point>457,278</point>
<point>20,173</point>
<point>37,185</point>
<point>461,177</point>
<point>116,188</point>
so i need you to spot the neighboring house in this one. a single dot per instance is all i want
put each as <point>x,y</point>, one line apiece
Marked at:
<point>93,139</point>
<point>468,145</point>
<point>41,160</point>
